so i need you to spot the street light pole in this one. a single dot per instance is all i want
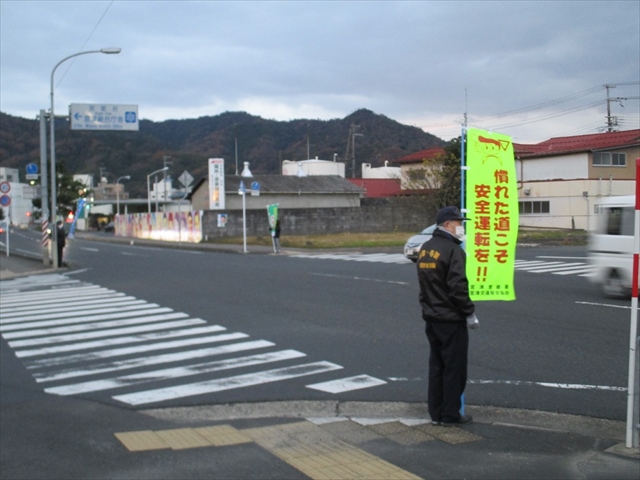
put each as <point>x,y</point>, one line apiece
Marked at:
<point>149,187</point>
<point>126,177</point>
<point>52,120</point>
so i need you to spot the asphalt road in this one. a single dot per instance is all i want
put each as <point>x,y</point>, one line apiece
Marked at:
<point>559,347</point>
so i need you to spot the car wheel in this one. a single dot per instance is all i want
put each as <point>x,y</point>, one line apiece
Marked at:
<point>614,287</point>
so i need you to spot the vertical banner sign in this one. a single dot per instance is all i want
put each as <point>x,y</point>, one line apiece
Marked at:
<point>216,184</point>
<point>492,205</point>
<point>272,212</point>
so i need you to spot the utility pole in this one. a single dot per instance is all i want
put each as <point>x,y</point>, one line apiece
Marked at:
<point>610,120</point>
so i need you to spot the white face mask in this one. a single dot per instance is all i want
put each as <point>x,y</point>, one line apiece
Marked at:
<point>460,233</point>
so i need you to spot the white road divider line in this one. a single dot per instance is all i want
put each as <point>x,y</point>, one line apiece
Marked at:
<point>90,300</point>
<point>347,384</point>
<point>175,372</point>
<point>90,318</point>
<point>117,333</point>
<point>119,352</point>
<point>113,305</point>
<point>604,305</point>
<point>239,381</point>
<point>38,296</point>
<point>94,326</point>
<point>147,361</point>
<point>570,386</point>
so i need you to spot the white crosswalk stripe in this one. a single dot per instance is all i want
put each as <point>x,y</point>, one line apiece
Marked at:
<point>581,269</point>
<point>534,266</point>
<point>77,338</point>
<point>358,257</point>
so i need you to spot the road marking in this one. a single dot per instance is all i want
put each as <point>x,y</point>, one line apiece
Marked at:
<point>76,343</point>
<point>347,384</point>
<point>151,347</point>
<point>218,385</point>
<point>87,319</point>
<point>358,278</point>
<point>90,300</point>
<point>106,306</point>
<point>93,326</point>
<point>604,305</point>
<point>89,249</point>
<point>82,344</point>
<point>358,257</point>
<point>569,386</point>
<point>175,372</point>
<point>148,361</point>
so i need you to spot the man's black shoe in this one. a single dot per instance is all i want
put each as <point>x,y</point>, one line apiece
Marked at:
<point>460,421</point>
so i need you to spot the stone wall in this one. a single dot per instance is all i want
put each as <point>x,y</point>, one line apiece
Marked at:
<point>372,216</point>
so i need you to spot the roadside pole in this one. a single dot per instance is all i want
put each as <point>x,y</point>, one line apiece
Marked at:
<point>633,415</point>
<point>44,191</point>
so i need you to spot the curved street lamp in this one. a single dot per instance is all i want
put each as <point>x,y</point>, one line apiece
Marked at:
<point>126,177</point>
<point>52,119</point>
<point>149,187</point>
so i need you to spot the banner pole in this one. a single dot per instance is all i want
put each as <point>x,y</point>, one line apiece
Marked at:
<point>632,389</point>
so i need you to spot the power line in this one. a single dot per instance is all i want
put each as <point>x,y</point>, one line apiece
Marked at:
<point>85,42</point>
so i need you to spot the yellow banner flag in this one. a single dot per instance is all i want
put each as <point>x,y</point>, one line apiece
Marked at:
<point>492,205</point>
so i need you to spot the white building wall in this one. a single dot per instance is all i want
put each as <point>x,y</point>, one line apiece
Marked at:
<point>313,167</point>
<point>564,167</point>
<point>21,206</point>
<point>385,172</point>
<point>572,203</point>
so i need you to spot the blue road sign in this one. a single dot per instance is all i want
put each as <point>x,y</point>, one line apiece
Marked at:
<point>32,168</point>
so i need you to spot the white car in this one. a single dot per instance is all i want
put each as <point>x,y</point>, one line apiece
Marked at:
<point>412,247</point>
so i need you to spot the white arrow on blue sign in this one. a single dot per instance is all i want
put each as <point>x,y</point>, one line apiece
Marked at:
<point>32,168</point>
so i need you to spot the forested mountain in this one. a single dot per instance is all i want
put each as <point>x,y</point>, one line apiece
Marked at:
<point>190,142</point>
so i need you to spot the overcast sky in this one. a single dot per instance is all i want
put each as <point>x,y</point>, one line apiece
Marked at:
<point>420,63</point>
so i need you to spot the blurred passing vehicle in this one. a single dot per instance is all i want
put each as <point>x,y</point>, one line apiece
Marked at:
<point>412,247</point>
<point>610,247</point>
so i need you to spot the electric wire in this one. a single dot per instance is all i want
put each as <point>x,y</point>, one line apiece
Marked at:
<point>85,43</point>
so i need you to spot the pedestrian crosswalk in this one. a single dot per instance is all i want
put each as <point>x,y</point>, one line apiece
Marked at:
<point>569,267</point>
<point>78,338</point>
<point>582,269</point>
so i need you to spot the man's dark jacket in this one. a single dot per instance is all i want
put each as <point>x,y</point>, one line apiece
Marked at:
<point>444,289</point>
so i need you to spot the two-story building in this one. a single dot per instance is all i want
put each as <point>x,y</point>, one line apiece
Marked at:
<point>561,180</point>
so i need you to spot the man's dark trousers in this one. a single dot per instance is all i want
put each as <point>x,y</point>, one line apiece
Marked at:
<point>449,343</point>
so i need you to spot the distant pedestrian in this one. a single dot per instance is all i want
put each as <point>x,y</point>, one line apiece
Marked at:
<point>275,234</point>
<point>447,310</point>
<point>62,240</point>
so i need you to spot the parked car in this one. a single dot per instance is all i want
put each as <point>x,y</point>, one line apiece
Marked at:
<point>412,247</point>
<point>109,227</point>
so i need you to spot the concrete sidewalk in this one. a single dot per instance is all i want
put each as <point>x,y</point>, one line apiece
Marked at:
<point>327,439</point>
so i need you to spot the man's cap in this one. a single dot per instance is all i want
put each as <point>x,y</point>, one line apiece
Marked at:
<point>449,213</point>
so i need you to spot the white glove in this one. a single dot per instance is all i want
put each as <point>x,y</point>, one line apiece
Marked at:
<point>472,322</point>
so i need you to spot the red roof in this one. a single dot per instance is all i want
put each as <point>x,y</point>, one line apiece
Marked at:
<point>418,157</point>
<point>378,187</point>
<point>579,143</point>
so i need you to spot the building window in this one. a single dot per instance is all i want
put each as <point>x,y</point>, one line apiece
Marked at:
<point>608,159</point>
<point>533,207</point>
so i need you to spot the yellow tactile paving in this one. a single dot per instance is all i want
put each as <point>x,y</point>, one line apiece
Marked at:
<point>141,441</point>
<point>181,438</point>
<point>311,450</point>
<point>223,435</point>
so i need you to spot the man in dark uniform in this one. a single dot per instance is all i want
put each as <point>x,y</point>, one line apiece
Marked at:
<point>447,311</point>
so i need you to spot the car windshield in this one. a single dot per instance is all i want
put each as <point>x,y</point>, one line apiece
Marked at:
<point>429,230</point>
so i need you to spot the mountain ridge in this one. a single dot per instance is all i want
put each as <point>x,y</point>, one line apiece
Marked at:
<point>262,142</point>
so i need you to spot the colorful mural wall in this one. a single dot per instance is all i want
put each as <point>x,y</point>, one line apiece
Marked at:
<point>166,226</point>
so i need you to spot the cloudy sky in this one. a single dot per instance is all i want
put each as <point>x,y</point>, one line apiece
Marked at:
<point>532,70</point>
